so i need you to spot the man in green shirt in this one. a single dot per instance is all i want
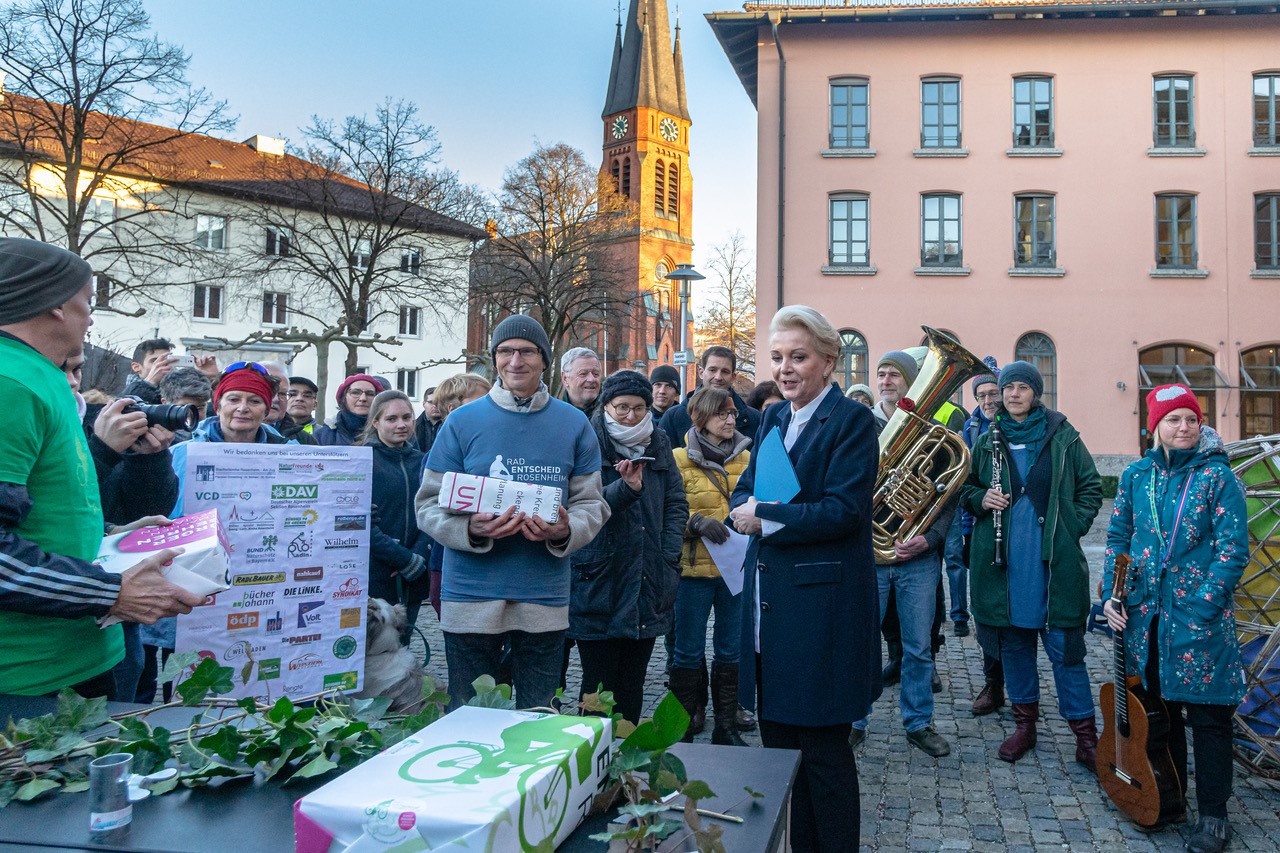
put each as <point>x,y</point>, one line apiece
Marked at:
<point>51,595</point>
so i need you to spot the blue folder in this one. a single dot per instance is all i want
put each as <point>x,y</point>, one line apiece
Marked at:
<point>775,477</point>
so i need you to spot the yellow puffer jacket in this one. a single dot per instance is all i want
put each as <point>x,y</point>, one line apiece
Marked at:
<point>705,498</point>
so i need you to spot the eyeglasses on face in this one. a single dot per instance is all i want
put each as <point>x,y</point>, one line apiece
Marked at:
<point>357,393</point>
<point>627,411</point>
<point>246,365</point>
<point>989,395</point>
<point>524,352</point>
<point>306,395</point>
<point>1180,420</point>
<point>727,415</point>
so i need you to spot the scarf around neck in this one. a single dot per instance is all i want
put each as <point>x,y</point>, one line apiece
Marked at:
<point>631,441</point>
<point>1030,432</point>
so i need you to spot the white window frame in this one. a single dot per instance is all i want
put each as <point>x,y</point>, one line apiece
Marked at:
<point>198,305</point>
<point>275,303</point>
<point>407,381</point>
<point>211,232</point>
<point>410,321</point>
<point>411,261</point>
<point>278,243</point>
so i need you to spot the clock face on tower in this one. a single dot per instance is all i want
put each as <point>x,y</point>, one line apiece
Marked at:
<point>619,127</point>
<point>669,129</point>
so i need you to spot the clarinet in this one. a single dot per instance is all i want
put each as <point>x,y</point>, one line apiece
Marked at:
<point>997,466</point>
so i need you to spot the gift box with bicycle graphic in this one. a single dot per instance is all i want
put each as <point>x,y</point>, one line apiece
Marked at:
<point>478,779</point>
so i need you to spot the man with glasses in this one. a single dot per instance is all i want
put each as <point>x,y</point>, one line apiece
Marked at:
<point>300,409</point>
<point>986,390</point>
<point>506,575</point>
<point>51,593</point>
<point>427,424</point>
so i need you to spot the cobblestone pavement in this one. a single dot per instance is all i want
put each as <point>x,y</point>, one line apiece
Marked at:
<point>971,800</point>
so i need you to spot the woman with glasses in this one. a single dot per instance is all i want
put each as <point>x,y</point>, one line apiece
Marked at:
<point>241,402</point>
<point>398,550</point>
<point>624,582</point>
<point>355,398</point>
<point>713,458</point>
<point>1180,515</point>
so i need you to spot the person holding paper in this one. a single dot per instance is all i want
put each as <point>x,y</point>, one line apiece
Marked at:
<point>711,462</point>
<point>51,525</point>
<point>624,582</point>
<point>809,599</point>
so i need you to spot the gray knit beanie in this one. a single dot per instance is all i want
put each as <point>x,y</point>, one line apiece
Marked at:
<point>36,277</point>
<point>903,361</point>
<point>525,327</point>
<point>1022,371</point>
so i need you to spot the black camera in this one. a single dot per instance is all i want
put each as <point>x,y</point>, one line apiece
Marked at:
<point>172,418</point>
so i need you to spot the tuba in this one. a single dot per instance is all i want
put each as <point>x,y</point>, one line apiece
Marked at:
<point>922,463</point>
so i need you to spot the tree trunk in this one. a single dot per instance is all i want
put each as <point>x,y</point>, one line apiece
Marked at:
<point>322,377</point>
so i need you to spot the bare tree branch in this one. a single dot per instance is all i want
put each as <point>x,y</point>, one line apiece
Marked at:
<point>729,306</point>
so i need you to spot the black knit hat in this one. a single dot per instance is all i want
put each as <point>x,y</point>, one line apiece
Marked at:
<point>1022,371</point>
<point>36,277</point>
<point>526,328</point>
<point>626,382</point>
<point>665,373</point>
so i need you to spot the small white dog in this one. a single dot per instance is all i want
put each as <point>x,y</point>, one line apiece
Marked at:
<point>390,669</point>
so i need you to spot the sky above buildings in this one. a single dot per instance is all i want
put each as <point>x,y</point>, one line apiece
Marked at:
<point>494,77</point>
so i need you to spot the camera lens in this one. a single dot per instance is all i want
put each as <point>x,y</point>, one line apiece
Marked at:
<point>172,418</point>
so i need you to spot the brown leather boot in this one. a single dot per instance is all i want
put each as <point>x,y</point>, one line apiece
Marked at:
<point>1023,738</point>
<point>724,699</point>
<point>684,684</point>
<point>1086,732</point>
<point>990,699</point>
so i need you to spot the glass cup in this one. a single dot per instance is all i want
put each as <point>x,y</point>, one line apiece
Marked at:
<point>109,809</point>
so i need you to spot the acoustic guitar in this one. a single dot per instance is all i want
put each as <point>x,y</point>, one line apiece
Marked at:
<point>1134,766</point>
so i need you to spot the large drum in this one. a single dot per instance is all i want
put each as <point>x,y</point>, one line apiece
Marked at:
<point>1257,608</point>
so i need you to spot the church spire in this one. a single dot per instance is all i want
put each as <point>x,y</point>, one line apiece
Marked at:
<point>646,71</point>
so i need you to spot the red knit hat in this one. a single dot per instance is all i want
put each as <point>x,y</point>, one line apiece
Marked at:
<point>1163,400</point>
<point>246,379</point>
<point>351,380</point>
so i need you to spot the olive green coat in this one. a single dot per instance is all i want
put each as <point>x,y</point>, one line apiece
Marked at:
<point>1075,496</point>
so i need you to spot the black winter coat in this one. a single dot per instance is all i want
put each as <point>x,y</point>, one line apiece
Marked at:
<point>130,485</point>
<point>624,581</point>
<point>395,538</point>
<point>676,421</point>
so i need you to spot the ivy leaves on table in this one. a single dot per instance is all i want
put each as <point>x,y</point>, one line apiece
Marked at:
<point>225,739</point>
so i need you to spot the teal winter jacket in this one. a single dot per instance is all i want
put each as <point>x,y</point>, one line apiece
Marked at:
<point>1184,526</point>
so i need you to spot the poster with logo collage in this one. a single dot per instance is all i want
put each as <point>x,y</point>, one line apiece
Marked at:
<point>297,517</point>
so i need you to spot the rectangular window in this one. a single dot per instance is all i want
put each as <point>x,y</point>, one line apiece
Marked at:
<point>207,304</point>
<point>100,210</point>
<point>1266,109</point>
<point>1033,112</point>
<point>849,128</point>
<point>1176,232</point>
<point>850,242</point>
<point>940,113</point>
<point>410,322</point>
<point>362,254</point>
<point>1033,231</point>
<point>279,242</point>
<point>211,232</point>
<point>407,381</point>
<point>940,244</point>
<point>1174,115</point>
<point>411,261</point>
<point>1266,254</point>
<point>275,308</point>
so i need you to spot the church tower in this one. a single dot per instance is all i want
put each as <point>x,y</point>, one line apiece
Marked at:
<point>646,159</point>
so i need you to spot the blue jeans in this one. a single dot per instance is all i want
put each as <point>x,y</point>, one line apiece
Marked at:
<point>129,670</point>
<point>535,663</point>
<point>1065,648</point>
<point>957,571</point>
<point>695,598</point>
<point>914,584</point>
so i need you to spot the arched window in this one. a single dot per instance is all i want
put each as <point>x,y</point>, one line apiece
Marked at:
<point>1260,392</point>
<point>673,190</point>
<point>626,176</point>
<point>660,189</point>
<point>852,367</point>
<point>1036,348</point>
<point>1178,362</point>
<point>616,172</point>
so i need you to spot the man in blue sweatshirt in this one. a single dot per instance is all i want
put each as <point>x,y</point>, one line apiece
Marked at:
<point>506,576</point>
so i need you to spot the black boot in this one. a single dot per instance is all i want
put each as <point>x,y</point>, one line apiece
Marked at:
<point>892,672</point>
<point>684,685</point>
<point>699,713</point>
<point>724,698</point>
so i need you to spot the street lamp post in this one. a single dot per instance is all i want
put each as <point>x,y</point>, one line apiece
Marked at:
<point>685,274</point>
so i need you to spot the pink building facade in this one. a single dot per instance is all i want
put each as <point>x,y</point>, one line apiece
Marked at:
<point>1095,188</point>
